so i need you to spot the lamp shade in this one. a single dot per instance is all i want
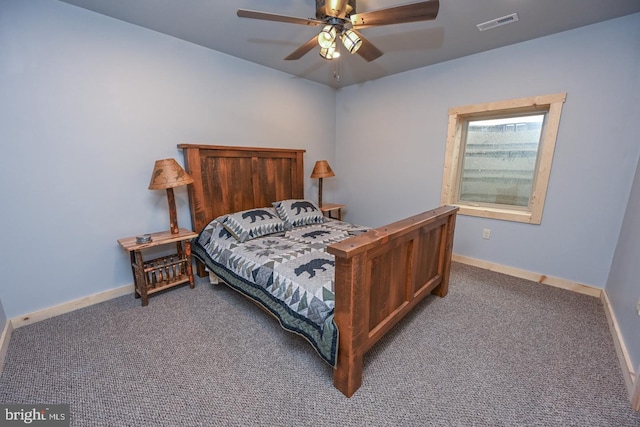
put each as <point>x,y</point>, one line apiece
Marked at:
<point>168,173</point>
<point>322,170</point>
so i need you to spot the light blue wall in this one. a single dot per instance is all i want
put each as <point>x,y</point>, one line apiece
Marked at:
<point>87,104</point>
<point>623,286</point>
<point>3,317</point>
<point>391,136</point>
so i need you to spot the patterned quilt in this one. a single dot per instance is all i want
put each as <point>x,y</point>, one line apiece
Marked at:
<point>289,273</point>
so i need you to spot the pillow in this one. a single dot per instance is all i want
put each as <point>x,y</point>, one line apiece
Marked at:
<point>298,212</point>
<point>253,223</point>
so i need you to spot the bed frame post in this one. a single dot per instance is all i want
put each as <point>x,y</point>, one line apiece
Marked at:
<point>350,315</point>
<point>446,252</point>
<point>192,164</point>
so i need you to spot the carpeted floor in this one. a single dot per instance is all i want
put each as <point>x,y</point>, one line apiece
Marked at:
<point>497,351</point>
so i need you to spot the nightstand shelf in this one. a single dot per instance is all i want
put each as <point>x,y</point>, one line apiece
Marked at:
<point>165,272</point>
<point>328,209</point>
<point>161,273</point>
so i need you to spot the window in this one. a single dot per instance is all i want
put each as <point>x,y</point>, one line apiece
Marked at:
<point>499,160</point>
<point>499,155</point>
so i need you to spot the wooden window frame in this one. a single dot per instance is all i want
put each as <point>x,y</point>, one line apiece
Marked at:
<point>458,116</point>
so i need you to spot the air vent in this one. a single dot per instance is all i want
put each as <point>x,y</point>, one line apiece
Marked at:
<point>498,22</point>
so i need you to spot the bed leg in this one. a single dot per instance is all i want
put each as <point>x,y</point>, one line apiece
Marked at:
<point>200,269</point>
<point>347,377</point>
<point>441,290</point>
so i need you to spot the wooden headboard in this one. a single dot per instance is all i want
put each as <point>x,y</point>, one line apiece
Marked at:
<point>232,179</point>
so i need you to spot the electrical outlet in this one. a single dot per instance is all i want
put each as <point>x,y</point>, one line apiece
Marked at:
<point>638,307</point>
<point>486,233</point>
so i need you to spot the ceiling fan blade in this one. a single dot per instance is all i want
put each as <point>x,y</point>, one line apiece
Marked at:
<point>368,51</point>
<point>336,8</point>
<point>423,11</point>
<point>243,13</point>
<point>303,50</point>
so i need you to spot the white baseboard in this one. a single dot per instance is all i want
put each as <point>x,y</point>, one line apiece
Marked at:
<point>4,342</point>
<point>621,348</point>
<point>528,275</point>
<point>49,312</point>
<point>635,397</point>
<point>71,306</point>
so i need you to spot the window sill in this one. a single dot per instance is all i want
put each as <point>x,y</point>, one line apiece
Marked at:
<point>498,213</point>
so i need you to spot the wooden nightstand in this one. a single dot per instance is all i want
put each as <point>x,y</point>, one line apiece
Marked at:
<point>328,208</point>
<point>155,275</point>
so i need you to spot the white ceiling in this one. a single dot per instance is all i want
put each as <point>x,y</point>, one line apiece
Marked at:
<point>453,34</point>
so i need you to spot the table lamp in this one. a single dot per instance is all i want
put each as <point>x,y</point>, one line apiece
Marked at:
<point>321,170</point>
<point>168,174</point>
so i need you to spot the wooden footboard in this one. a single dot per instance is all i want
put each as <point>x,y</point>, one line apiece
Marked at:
<point>380,276</point>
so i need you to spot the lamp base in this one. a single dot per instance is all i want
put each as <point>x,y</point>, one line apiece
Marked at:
<point>173,216</point>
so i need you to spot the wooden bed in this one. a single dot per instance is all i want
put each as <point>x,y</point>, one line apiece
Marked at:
<point>380,275</point>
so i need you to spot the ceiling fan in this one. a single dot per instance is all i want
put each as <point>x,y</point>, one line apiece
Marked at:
<point>340,20</point>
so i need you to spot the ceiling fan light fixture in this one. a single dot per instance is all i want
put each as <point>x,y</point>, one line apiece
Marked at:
<point>338,19</point>
<point>351,41</point>
<point>330,52</point>
<point>327,36</point>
